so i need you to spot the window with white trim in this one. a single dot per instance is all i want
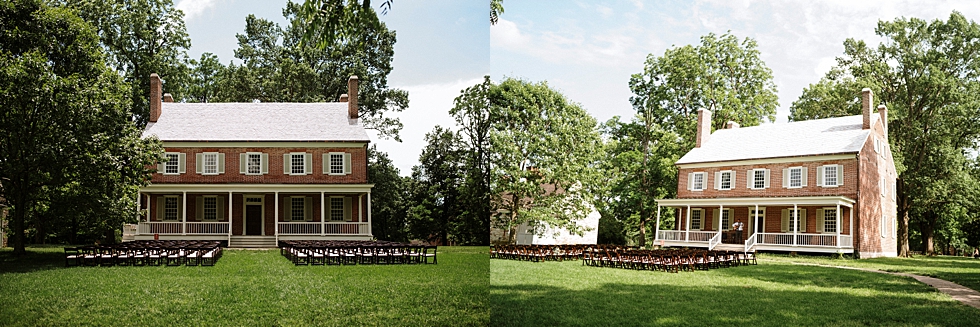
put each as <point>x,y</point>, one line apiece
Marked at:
<point>794,217</point>
<point>254,163</point>
<point>881,186</point>
<point>894,190</point>
<point>210,163</point>
<point>210,208</point>
<point>726,219</point>
<point>297,163</point>
<point>830,220</point>
<point>698,183</point>
<point>884,225</point>
<point>170,208</point>
<point>336,209</point>
<point>796,177</point>
<point>830,177</point>
<point>726,180</point>
<point>758,178</point>
<point>172,165</point>
<point>336,163</point>
<point>297,208</point>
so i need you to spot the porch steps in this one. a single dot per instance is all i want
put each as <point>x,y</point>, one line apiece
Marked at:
<point>730,247</point>
<point>253,242</point>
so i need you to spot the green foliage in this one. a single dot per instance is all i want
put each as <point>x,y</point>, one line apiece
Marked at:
<point>278,67</point>
<point>496,9</point>
<point>70,149</point>
<point>204,78</point>
<point>389,197</point>
<point>928,75</point>
<point>471,111</point>
<point>327,22</point>
<point>437,181</point>
<point>544,154</point>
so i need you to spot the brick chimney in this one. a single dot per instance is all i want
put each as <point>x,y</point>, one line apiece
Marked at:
<point>732,125</point>
<point>867,98</point>
<point>704,127</point>
<point>883,111</point>
<point>352,97</point>
<point>343,97</point>
<point>156,88</point>
<point>168,98</point>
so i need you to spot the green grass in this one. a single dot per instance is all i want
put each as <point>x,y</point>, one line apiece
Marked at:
<point>960,270</point>
<point>772,293</point>
<point>245,288</point>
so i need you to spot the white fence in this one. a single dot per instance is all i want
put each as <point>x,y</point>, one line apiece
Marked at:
<point>679,235</point>
<point>207,228</point>
<point>802,239</point>
<point>198,228</point>
<point>328,228</point>
<point>161,228</point>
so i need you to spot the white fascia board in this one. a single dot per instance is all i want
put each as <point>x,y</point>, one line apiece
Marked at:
<point>756,162</point>
<point>258,188</point>
<point>264,144</point>
<point>742,202</point>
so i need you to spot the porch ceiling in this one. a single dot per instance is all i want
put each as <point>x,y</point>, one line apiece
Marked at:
<point>259,188</point>
<point>760,201</point>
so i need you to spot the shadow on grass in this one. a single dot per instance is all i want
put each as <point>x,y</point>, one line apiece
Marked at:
<point>37,259</point>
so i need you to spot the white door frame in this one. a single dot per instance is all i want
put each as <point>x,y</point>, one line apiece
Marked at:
<point>245,204</point>
<point>762,222</point>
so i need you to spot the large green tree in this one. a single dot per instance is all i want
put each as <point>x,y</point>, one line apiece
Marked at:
<point>438,181</point>
<point>277,67</point>
<point>65,126</point>
<point>544,153</point>
<point>471,111</point>
<point>722,74</point>
<point>928,75</point>
<point>389,197</point>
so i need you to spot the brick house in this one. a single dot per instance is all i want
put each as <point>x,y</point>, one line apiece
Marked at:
<point>825,185</point>
<point>255,173</point>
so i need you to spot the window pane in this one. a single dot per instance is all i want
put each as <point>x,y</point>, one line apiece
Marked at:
<point>796,177</point>
<point>211,163</point>
<point>695,219</point>
<point>699,181</point>
<point>297,164</point>
<point>172,166</point>
<point>830,175</point>
<point>726,180</point>
<point>297,209</point>
<point>337,209</point>
<point>830,220</point>
<point>724,219</point>
<point>210,208</point>
<point>760,178</point>
<point>170,209</point>
<point>254,163</point>
<point>337,163</point>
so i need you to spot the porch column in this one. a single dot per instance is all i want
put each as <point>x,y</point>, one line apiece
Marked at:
<point>231,207</point>
<point>721,215</point>
<point>149,199</point>
<point>838,225</point>
<point>323,215</point>
<point>275,230</point>
<point>656,233</point>
<point>687,224</point>
<point>755,221</point>
<point>850,226</point>
<point>183,230</point>
<point>796,222</point>
<point>369,212</point>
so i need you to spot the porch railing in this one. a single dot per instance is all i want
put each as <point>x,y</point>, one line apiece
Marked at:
<point>802,239</point>
<point>219,228</point>
<point>161,228</point>
<point>207,228</point>
<point>680,235</point>
<point>714,241</point>
<point>671,235</point>
<point>311,228</point>
<point>749,243</point>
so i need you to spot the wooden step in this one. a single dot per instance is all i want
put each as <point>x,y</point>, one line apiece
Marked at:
<point>730,247</point>
<point>253,242</point>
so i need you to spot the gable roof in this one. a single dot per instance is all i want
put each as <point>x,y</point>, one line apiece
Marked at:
<point>256,122</point>
<point>805,138</point>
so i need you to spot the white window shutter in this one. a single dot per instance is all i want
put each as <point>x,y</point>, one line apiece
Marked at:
<point>182,163</point>
<point>265,163</point>
<point>820,170</point>
<point>161,203</point>
<point>803,220</point>
<point>243,163</point>
<point>785,177</point>
<point>749,179</point>
<point>200,162</point>
<point>347,209</point>
<point>717,180</point>
<point>220,206</point>
<point>161,167</point>
<point>285,164</point>
<point>785,221</point>
<point>840,175</point>
<point>803,175</point>
<point>308,163</point>
<point>221,163</point>
<point>716,222</point>
<point>286,213</point>
<point>326,163</point>
<point>308,208</point>
<point>690,181</point>
<point>347,165</point>
<point>820,222</point>
<point>200,208</point>
<point>180,208</point>
<point>767,178</point>
<point>733,179</point>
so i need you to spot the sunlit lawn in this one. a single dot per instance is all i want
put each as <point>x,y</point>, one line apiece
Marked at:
<point>245,288</point>
<point>773,293</point>
<point>960,270</point>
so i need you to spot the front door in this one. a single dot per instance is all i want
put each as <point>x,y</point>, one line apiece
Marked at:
<point>253,220</point>
<point>757,221</point>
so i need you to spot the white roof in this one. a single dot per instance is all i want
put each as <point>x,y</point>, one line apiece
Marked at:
<point>256,122</point>
<point>805,138</point>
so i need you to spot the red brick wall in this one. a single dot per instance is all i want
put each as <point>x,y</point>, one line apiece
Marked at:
<point>848,189</point>
<point>872,204</point>
<point>275,176</point>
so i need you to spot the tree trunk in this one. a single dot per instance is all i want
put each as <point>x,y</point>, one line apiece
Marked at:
<point>928,233</point>
<point>18,228</point>
<point>903,221</point>
<point>643,230</point>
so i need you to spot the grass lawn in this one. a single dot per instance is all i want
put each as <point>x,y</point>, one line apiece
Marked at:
<point>960,270</point>
<point>245,288</point>
<point>773,293</point>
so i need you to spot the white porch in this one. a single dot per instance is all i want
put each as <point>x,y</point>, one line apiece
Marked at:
<point>759,237</point>
<point>255,212</point>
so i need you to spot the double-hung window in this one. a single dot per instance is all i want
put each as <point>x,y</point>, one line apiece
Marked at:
<point>297,208</point>
<point>758,178</point>
<point>210,163</point>
<point>726,219</point>
<point>297,164</point>
<point>724,180</point>
<point>172,165</point>
<point>210,208</point>
<point>170,208</point>
<point>336,209</point>
<point>829,220</point>
<point>830,175</point>
<point>254,163</point>
<point>795,177</point>
<point>696,181</point>
<point>336,163</point>
<point>696,219</point>
<point>795,220</point>
<point>257,163</point>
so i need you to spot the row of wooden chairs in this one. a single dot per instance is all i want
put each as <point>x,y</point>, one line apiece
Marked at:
<point>672,260</point>
<point>538,253</point>
<point>356,252</point>
<point>146,253</point>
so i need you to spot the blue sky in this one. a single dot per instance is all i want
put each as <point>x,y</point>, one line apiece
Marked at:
<point>443,47</point>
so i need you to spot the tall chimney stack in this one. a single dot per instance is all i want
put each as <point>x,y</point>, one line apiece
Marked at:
<point>352,97</point>
<point>732,125</point>
<point>168,98</point>
<point>156,88</point>
<point>704,127</point>
<point>883,111</point>
<point>343,97</point>
<point>867,98</point>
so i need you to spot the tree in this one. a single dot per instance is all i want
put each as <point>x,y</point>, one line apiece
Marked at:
<point>544,151</point>
<point>204,78</point>
<point>722,74</point>
<point>65,125</point>
<point>928,75</point>
<point>277,67</point>
<point>471,111</point>
<point>337,21</point>
<point>389,197</point>
<point>496,9</point>
<point>438,180</point>
<point>140,38</point>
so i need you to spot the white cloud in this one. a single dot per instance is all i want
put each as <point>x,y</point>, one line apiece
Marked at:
<point>195,8</point>
<point>429,106</point>
<point>609,48</point>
